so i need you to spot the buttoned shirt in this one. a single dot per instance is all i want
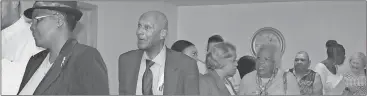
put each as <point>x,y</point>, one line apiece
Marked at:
<point>157,70</point>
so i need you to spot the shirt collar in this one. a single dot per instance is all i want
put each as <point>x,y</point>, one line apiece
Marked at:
<point>160,58</point>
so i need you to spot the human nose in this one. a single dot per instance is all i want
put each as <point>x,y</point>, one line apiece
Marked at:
<point>33,27</point>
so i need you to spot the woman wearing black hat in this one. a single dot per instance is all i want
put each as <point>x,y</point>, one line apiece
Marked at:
<point>65,67</point>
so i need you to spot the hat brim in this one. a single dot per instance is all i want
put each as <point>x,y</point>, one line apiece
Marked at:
<point>70,11</point>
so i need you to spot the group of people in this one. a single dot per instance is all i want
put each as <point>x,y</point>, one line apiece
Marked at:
<point>43,58</point>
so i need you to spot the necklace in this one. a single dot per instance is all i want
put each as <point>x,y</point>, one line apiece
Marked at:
<point>263,88</point>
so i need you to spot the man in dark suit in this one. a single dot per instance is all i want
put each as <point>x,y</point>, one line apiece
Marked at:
<point>65,67</point>
<point>153,69</point>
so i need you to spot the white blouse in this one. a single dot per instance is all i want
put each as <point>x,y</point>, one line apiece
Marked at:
<point>333,84</point>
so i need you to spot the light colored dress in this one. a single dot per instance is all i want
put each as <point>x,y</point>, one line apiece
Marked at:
<point>249,84</point>
<point>333,84</point>
<point>359,83</point>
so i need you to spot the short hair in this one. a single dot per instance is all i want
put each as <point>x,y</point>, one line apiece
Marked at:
<point>219,51</point>
<point>360,56</point>
<point>181,45</point>
<point>333,48</point>
<point>274,51</point>
<point>214,39</point>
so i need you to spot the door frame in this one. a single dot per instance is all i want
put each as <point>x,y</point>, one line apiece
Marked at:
<point>94,23</point>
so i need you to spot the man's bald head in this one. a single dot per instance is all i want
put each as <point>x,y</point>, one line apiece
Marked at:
<point>159,18</point>
<point>152,30</point>
<point>303,54</point>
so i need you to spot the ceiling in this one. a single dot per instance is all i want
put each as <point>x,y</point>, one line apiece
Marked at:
<point>225,2</point>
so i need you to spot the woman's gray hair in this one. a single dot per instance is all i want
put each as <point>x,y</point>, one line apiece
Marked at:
<point>219,51</point>
<point>276,56</point>
<point>360,56</point>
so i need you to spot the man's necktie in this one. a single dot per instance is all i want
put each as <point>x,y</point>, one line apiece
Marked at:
<point>148,79</point>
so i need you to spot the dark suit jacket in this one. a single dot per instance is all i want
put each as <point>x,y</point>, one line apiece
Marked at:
<point>78,70</point>
<point>181,75</point>
<point>212,85</point>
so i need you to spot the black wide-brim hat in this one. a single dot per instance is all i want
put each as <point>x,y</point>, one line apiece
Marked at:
<point>68,7</point>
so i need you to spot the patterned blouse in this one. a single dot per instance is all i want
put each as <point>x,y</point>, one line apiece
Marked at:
<point>359,83</point>
<point>306,82</point>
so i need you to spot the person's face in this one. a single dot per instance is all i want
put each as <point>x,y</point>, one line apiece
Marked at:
<point>340,58</point>
<point>44,23</point>
<point>191,51</point>
<point>230,64</point>
<point>265,64</point>
<point>148,32</point>
<point>356,65</point>
<point>301,62</point>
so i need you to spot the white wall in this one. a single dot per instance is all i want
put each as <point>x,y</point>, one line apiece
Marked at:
<point>117,24</point>
<point>305,25</point>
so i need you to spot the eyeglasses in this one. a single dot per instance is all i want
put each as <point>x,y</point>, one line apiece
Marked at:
<point>35,20</point>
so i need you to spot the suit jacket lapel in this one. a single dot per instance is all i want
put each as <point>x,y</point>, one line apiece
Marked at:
<point>56,68</point>
<point>134,73</point>
<point>32,67</point>
<point>170,74</point>
<point>220,83</point>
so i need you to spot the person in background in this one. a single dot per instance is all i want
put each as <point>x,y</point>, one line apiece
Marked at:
<point>246,64</point>
<point>356,79</point>
<point>190,50</point>
<point>17,45</point>
<point>236,78</point>
<point>65,67</point>
<point>213,40</point>
<point>268,78</point>
<point>154,69</point>
<point>221,63</point>
<point>308,80</point>
<point>333,83</point>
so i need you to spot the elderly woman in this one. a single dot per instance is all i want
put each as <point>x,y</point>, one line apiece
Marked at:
<point>221,64</point>
<point>355,80</point>
<point>268,78</point>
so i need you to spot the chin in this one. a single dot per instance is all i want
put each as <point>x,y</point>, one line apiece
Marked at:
<point>142,46</point>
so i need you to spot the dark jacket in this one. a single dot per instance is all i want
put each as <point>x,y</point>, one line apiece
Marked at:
<point>181,74</point>
<point>78,70</point>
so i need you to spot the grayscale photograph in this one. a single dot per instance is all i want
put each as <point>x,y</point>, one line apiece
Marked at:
<point>183,47</point>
